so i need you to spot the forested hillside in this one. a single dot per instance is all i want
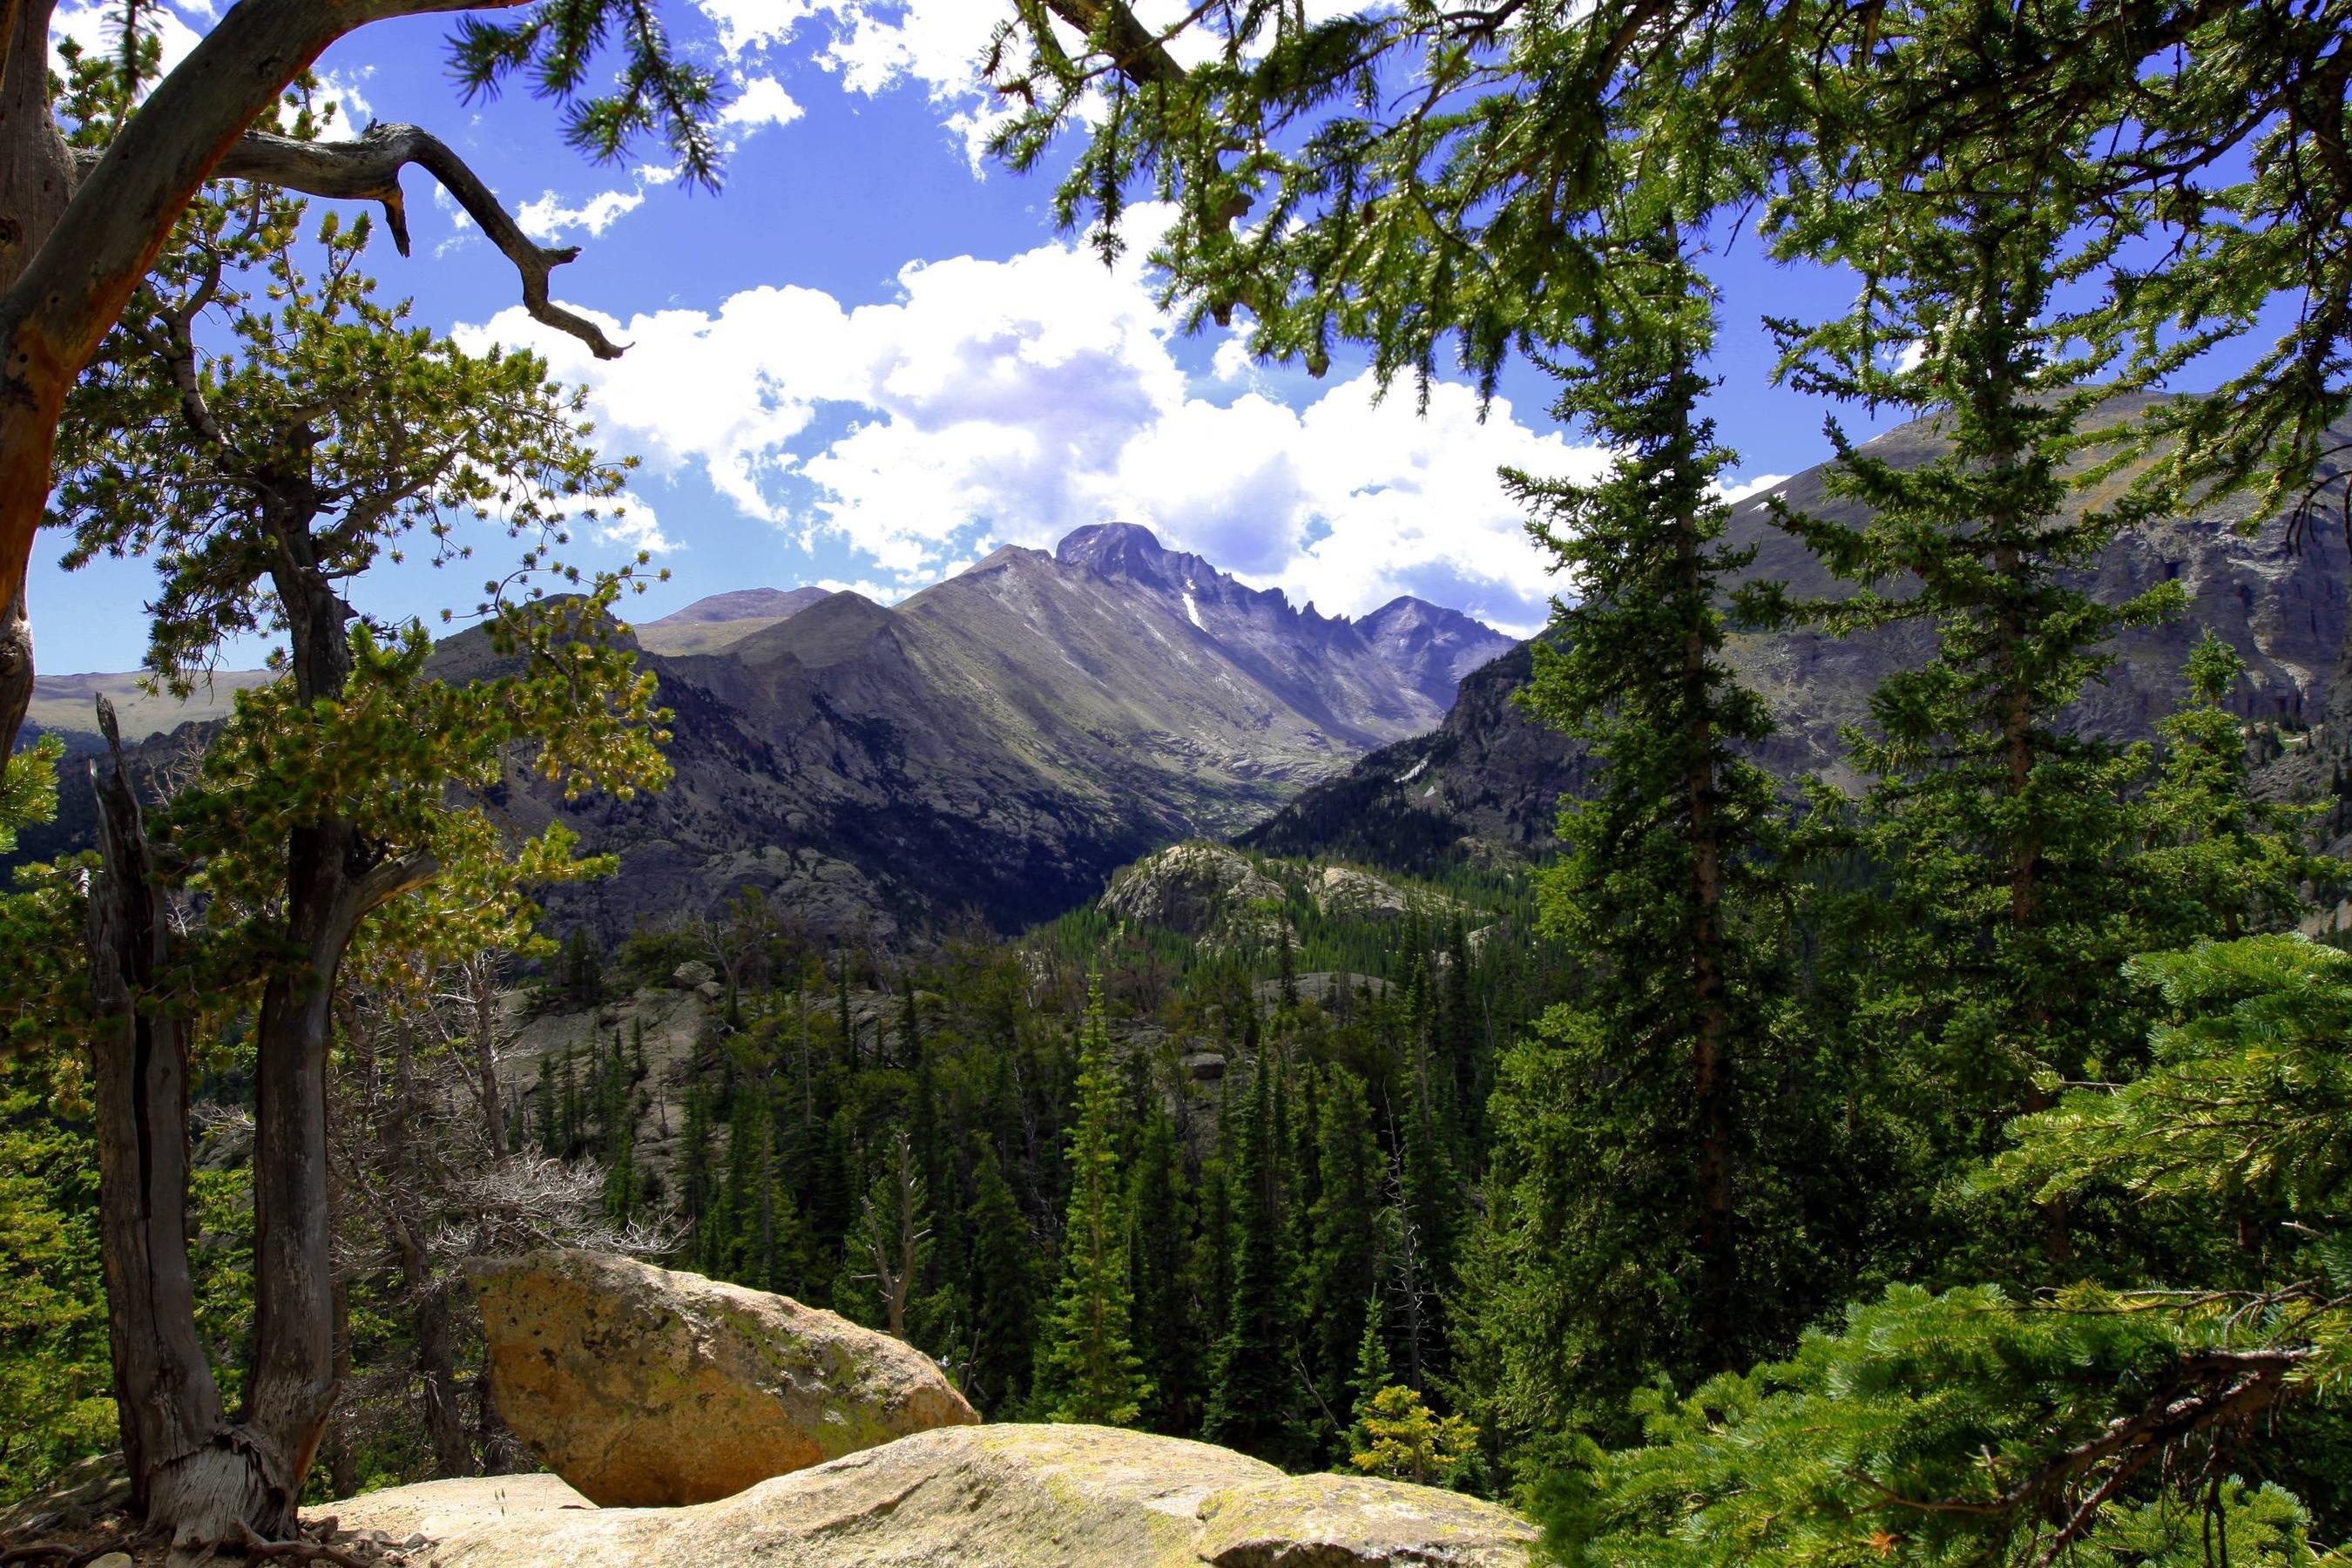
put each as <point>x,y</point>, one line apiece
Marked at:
<point>2275,594</point>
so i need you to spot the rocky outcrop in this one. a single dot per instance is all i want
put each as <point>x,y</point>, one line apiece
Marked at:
<point>1346,894</point>
<point>1190,889</point>
<point>643,1387</point>
<point>979,1497</point>
<point>438,1509</point>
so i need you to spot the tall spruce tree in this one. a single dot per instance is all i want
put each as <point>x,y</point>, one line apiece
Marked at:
<point>1167,1331</point>
<point>1342,1269</point>
<point>1986,951</point>
<point>1086,1367</point>
<point>1003,1287</point>
<point>1621,1119</point>
<point>1252,1385</point>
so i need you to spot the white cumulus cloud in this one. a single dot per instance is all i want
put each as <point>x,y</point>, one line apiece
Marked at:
<point>760,101</point>
<point>547,219</point>
<point>1012,401</point>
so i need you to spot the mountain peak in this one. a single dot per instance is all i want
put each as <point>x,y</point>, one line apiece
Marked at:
<point>744,605</point>
<point>1113,550</point>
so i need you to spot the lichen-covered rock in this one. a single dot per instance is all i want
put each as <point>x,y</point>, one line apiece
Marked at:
<point>1342,893</point>
<point>990,1497</point>
<point>1355,1521</point>
<point>643,1387</point>
<point>1190,889</point>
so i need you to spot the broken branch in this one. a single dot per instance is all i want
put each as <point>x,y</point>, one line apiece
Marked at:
<point>367,169</point>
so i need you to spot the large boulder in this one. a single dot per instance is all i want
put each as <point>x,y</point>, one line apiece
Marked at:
<point>643,1387</point>
<point>988,1497</point>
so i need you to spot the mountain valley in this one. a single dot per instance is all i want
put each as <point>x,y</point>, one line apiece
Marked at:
<point>998,744</point>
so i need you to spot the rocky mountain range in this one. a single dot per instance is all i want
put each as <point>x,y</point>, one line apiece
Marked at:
<point>1003,742</point>
<point>997,744</point>
<point>1488,777</point>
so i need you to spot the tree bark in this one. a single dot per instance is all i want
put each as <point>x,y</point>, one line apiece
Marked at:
<point>188,1466</point>
<point>37,179</point>
<point>333,879</point>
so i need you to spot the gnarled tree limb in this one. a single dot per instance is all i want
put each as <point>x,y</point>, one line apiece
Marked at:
<point>1139,54</point>
<point>77,276</point>
<point>368,170</point>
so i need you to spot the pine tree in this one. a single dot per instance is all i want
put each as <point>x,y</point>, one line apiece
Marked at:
<point>1004,1288</point>
<point>1625,1107</point>
<point>623,1184</point>
<point>696,1158</point>
<point>1342,1269</point>
<point>883,1256</point>
<point>1373,1370</point>
<point>1425,1198</point>
<point>2215,863</point>
<point>1253,1389</point>
<point>1400,1438</point>
<point>1986,952</point>
<point>841,1009</point>
<point>1086,1368</point>
<point>1160,1264</point>
<point>1458,1049</point>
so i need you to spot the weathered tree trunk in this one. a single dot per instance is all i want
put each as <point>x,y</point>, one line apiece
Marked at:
<point>427,1292</point>
<point>206,1483</point>
<point>35,181</point>
<point>333,880</point>
<point>482,996</point>
<point>189,1468</point>
<point>436,1366</point>
<point>292,1383</point>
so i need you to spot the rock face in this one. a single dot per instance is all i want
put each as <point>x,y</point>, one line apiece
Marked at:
<point>438,1508</point>
<point>647,1388</point>
<point>1189,888</point>
<point>1342,892</point>
<point>985,1497</point>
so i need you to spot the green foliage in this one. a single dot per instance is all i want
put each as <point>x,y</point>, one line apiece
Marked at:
<point>1667,879</point>
<point>1397,1436</point>
<point>54,1374</point>
<point>556,48</point>
<point>1086,1366</point>
<point>1965,1428</point>
<point>1253,1389</point>
<point>2243,1114</point>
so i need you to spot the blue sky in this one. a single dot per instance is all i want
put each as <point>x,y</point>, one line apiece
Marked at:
<point>870,358</point>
